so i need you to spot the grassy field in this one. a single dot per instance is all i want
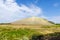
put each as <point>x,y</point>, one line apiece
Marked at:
<point>25,32</point>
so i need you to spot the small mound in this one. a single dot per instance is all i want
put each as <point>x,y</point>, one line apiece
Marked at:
<point>32,21</point>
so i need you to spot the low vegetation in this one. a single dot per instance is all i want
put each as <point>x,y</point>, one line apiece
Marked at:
<point>8,32</point>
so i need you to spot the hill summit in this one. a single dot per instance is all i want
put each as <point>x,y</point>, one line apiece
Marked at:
<point>32,21</point>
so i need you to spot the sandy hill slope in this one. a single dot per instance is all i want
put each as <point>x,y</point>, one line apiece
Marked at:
<point>32,21</point>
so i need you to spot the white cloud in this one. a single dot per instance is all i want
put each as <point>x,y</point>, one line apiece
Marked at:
<point>10,10</point>
<point>36,1</point>
<point>55,19</point>
<point>56,4</point>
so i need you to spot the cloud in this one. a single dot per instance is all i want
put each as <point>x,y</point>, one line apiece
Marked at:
<point>36,1</point>
<point>56,4</point>
<point>55,19</point>
<point>10,10</point>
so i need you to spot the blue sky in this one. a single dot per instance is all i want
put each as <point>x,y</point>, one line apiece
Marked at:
<point>11,10</point>
<point>49,7</point>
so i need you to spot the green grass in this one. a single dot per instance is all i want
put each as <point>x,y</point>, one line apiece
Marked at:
<point>9,33</point>
<point>15,34</point>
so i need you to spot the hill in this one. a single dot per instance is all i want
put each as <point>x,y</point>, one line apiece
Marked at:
<point>32,21</point>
